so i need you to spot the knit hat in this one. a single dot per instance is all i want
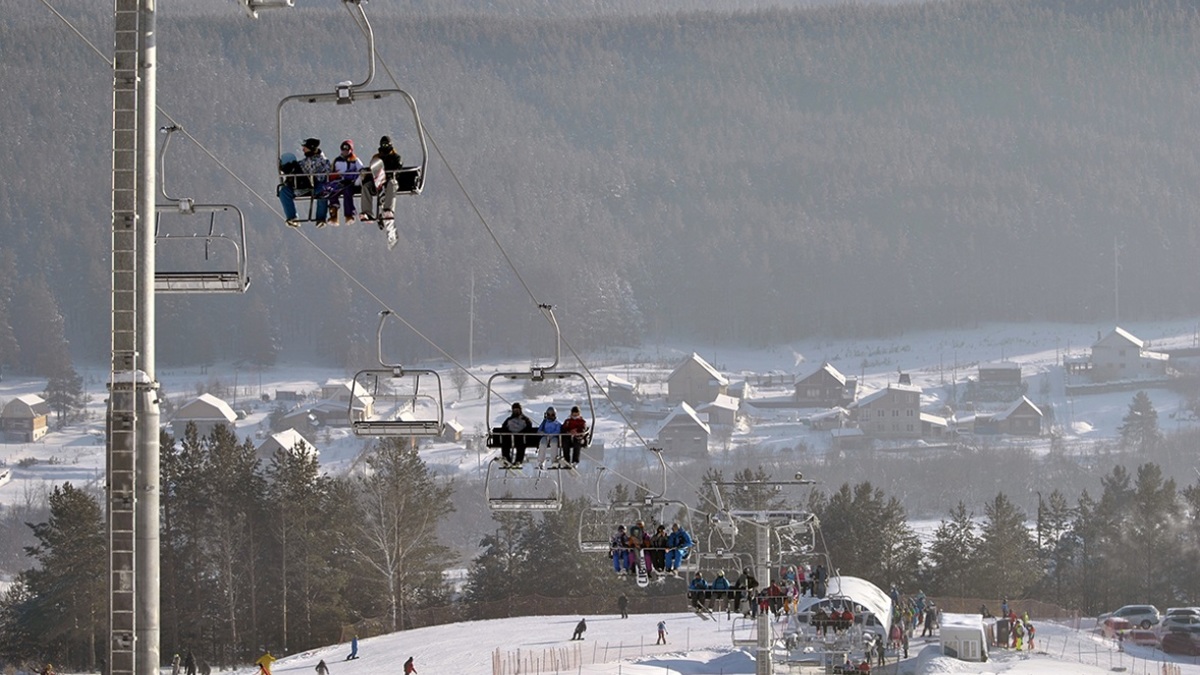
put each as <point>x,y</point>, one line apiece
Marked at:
<point>385,141</point>
<point>312,143</point>
<point>574,408</point>
<point>349,143</point>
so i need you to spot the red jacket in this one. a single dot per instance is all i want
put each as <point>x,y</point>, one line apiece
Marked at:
<point>574,425</point>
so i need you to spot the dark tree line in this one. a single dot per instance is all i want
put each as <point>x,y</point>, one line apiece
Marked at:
<point>849,170</point>
<point>253,554</point>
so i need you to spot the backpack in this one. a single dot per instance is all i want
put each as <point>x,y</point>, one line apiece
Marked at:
<point>290,169</point>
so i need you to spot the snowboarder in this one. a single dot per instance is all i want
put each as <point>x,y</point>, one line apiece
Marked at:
<point>353,648</point>
<point>513,433</point>
<point>580,629</point>
<point>662,633</point>
<point>679,542</point>
<point>175,661</point>
<point>189,663</point>
<point>264,663</point>
<point>322,669</point>
<point>409,668</point>
<point>1029,631</point>
<point>623,606</point>
<point>618,550</point>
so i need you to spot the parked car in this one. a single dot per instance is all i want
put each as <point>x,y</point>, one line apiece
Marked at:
<point>1113,627</point>
<point>1146,638</point>
<point>1144,616</point>
<point>1181,618</point>
<point>1181,642</point>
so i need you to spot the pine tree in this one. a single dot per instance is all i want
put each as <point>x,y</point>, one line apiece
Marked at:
<point>66,397</point>
<point>1056,547</point>
<point>1006,549</point>
<point>1150,535</point>
<point>497,573</point>
<point>65,605</point>
<point>952,555</point>
<point>303,516</point>
<point>868,536</point>
<point>1139,426</point>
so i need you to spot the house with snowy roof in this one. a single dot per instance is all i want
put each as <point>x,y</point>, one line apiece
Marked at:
<point>826,387</point>
<point>206,412</point>
<point>1120,355</point>
<point>622,392</point>
<point>1022,418</point>
<point>695,382</point>
<point>683,433</point>
<point>452,431</point>
<point>284,440</point>
<point>25,418</point>
<point>891,412</point>
<point>723,410</point>
<point>343,392</point>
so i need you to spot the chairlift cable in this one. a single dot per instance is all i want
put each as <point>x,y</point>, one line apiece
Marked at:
<point>274,208</point>
<point>270,205</point>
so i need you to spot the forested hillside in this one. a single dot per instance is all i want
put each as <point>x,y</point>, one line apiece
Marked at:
<point>750,176</point>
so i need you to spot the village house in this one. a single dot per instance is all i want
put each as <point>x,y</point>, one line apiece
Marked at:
<point>1022,418</point>
<point>826,387</point>
<point>891,412</point>
<point>722,411</point>
<point>452,431</point>
<point>341,392</point>
<point>25,418</point>
<point>1000,373</point>
<point>684,434</point>
<point>206,412</point>
<point>284,440</point>
<point>695,382</point>
<point>1122,356</point>
<point>620,391</point>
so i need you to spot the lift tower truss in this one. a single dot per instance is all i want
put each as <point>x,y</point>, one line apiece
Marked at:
<point>132,461</point>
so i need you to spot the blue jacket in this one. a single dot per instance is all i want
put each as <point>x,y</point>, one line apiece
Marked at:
<point>679,539</point>
<point>698,584</point>
<point>720,583</point>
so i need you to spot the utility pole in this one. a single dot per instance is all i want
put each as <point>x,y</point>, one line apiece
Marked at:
<point>132,452</point>
<point>471,326</point>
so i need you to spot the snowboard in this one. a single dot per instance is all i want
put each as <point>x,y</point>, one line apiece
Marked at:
<point>377,174</point>
<point>387,223</point>
<point>643,579</point>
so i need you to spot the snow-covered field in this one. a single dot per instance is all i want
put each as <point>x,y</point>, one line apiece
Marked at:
<point>613,646</point>
<point>934,360</point>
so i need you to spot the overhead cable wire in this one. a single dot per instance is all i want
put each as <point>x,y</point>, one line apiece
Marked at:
<point>271,206</point>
